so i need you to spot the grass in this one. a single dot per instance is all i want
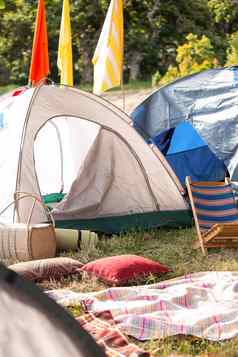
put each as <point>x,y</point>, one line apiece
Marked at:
<point>132,85</point>
<point>8,88</point>
<point>170,247</point>
<point>136,85</point>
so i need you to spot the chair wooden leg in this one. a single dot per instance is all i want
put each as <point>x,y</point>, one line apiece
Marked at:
<point>188,183</point>
<point>199,244</point>
<point>204,251</point>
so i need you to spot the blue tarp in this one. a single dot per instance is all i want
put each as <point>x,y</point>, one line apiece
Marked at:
<point>194,122</point>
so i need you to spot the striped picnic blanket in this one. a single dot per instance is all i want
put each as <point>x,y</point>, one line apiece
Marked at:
<point>103,329</point>
<point>202,304</point>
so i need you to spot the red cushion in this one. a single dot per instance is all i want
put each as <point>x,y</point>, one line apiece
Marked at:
<point>120,269</point>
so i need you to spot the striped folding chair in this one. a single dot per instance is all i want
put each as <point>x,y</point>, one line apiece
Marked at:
<point>215,214</point>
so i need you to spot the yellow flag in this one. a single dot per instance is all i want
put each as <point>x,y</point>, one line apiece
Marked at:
<point>65,62</point>
<point>108,56</point>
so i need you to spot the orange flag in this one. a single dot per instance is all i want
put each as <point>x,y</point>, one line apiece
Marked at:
<point>40,59</point>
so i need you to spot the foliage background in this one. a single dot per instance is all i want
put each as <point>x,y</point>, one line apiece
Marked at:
<point>164,39</point>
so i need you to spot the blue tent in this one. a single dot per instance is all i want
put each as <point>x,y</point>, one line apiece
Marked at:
<point>194,122</point>
<point>189,155</point>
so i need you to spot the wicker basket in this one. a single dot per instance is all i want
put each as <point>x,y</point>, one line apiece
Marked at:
<point>20,241</point>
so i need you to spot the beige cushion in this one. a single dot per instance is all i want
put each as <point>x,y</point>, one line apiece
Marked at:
<point>43,269</point>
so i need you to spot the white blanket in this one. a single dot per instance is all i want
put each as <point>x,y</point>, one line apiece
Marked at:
<point>202,304</point>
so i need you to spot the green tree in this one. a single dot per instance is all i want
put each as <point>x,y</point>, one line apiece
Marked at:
<point>17,30</point>
<point>15,41</point>
<point>232,51</point>
<point>224,12</point>
<point>195,55</point>
<point>154,29</point>
<point>224,15</point>
<point>2,4</point>
<point>87,19</point>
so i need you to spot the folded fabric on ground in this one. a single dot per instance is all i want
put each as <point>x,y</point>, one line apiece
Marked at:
<point>103,329</point>
<point>201,304</point>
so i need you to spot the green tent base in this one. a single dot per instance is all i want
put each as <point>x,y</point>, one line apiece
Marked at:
<point>133,222</point>
<point>53,198</point>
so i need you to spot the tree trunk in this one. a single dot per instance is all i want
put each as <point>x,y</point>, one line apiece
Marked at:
<point>134,65</point>
<point>87,73</point>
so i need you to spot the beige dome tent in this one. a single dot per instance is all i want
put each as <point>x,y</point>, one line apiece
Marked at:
<point>81,150</point>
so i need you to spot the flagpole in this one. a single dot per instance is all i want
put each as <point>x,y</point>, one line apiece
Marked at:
<point>122,85</point>
<point>123,97</point>
<point>122,77</point>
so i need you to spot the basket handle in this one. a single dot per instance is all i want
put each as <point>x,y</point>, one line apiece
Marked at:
<point>36,200</point>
